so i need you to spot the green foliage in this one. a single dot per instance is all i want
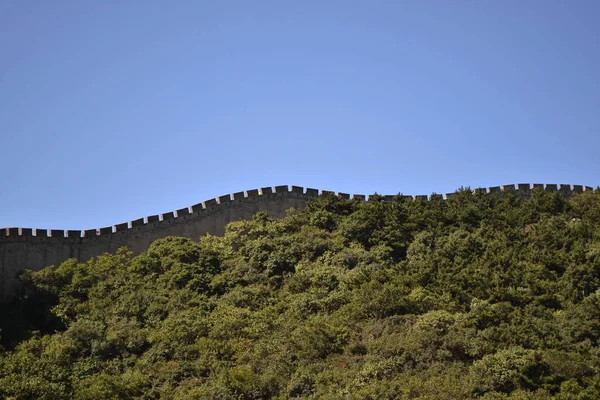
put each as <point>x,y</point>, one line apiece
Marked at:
<point>474,297</point>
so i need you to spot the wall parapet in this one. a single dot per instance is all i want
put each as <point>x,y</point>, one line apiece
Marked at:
<point>521,189</point>
<point>34,249</point>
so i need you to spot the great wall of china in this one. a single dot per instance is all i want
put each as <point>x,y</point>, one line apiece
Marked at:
<point>34,249</point>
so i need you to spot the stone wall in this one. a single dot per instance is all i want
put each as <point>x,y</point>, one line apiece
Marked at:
<point>34,249</point>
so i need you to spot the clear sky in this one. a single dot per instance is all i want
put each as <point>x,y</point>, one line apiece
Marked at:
<point>114,110</point>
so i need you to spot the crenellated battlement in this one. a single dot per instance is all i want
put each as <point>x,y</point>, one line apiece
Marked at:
<point>206,207</point>
<point>31,248</point>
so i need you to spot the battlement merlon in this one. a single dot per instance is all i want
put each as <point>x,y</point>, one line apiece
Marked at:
<point>522,190</point>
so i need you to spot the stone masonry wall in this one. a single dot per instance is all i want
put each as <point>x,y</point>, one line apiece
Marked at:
<point>34,249</point>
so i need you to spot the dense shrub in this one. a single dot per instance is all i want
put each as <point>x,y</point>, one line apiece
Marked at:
<point>475,296</point>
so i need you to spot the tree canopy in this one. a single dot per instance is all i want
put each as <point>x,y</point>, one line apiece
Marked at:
<point>477,296</point>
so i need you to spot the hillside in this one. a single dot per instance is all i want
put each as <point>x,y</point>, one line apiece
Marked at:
<point>478,296</point>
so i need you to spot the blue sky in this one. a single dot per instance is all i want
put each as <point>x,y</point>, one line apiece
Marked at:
<point>115,110</point>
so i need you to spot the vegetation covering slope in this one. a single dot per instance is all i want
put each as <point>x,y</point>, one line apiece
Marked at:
<point>474,297</point>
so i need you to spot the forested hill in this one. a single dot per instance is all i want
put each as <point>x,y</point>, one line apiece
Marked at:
<point>474,297</point>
